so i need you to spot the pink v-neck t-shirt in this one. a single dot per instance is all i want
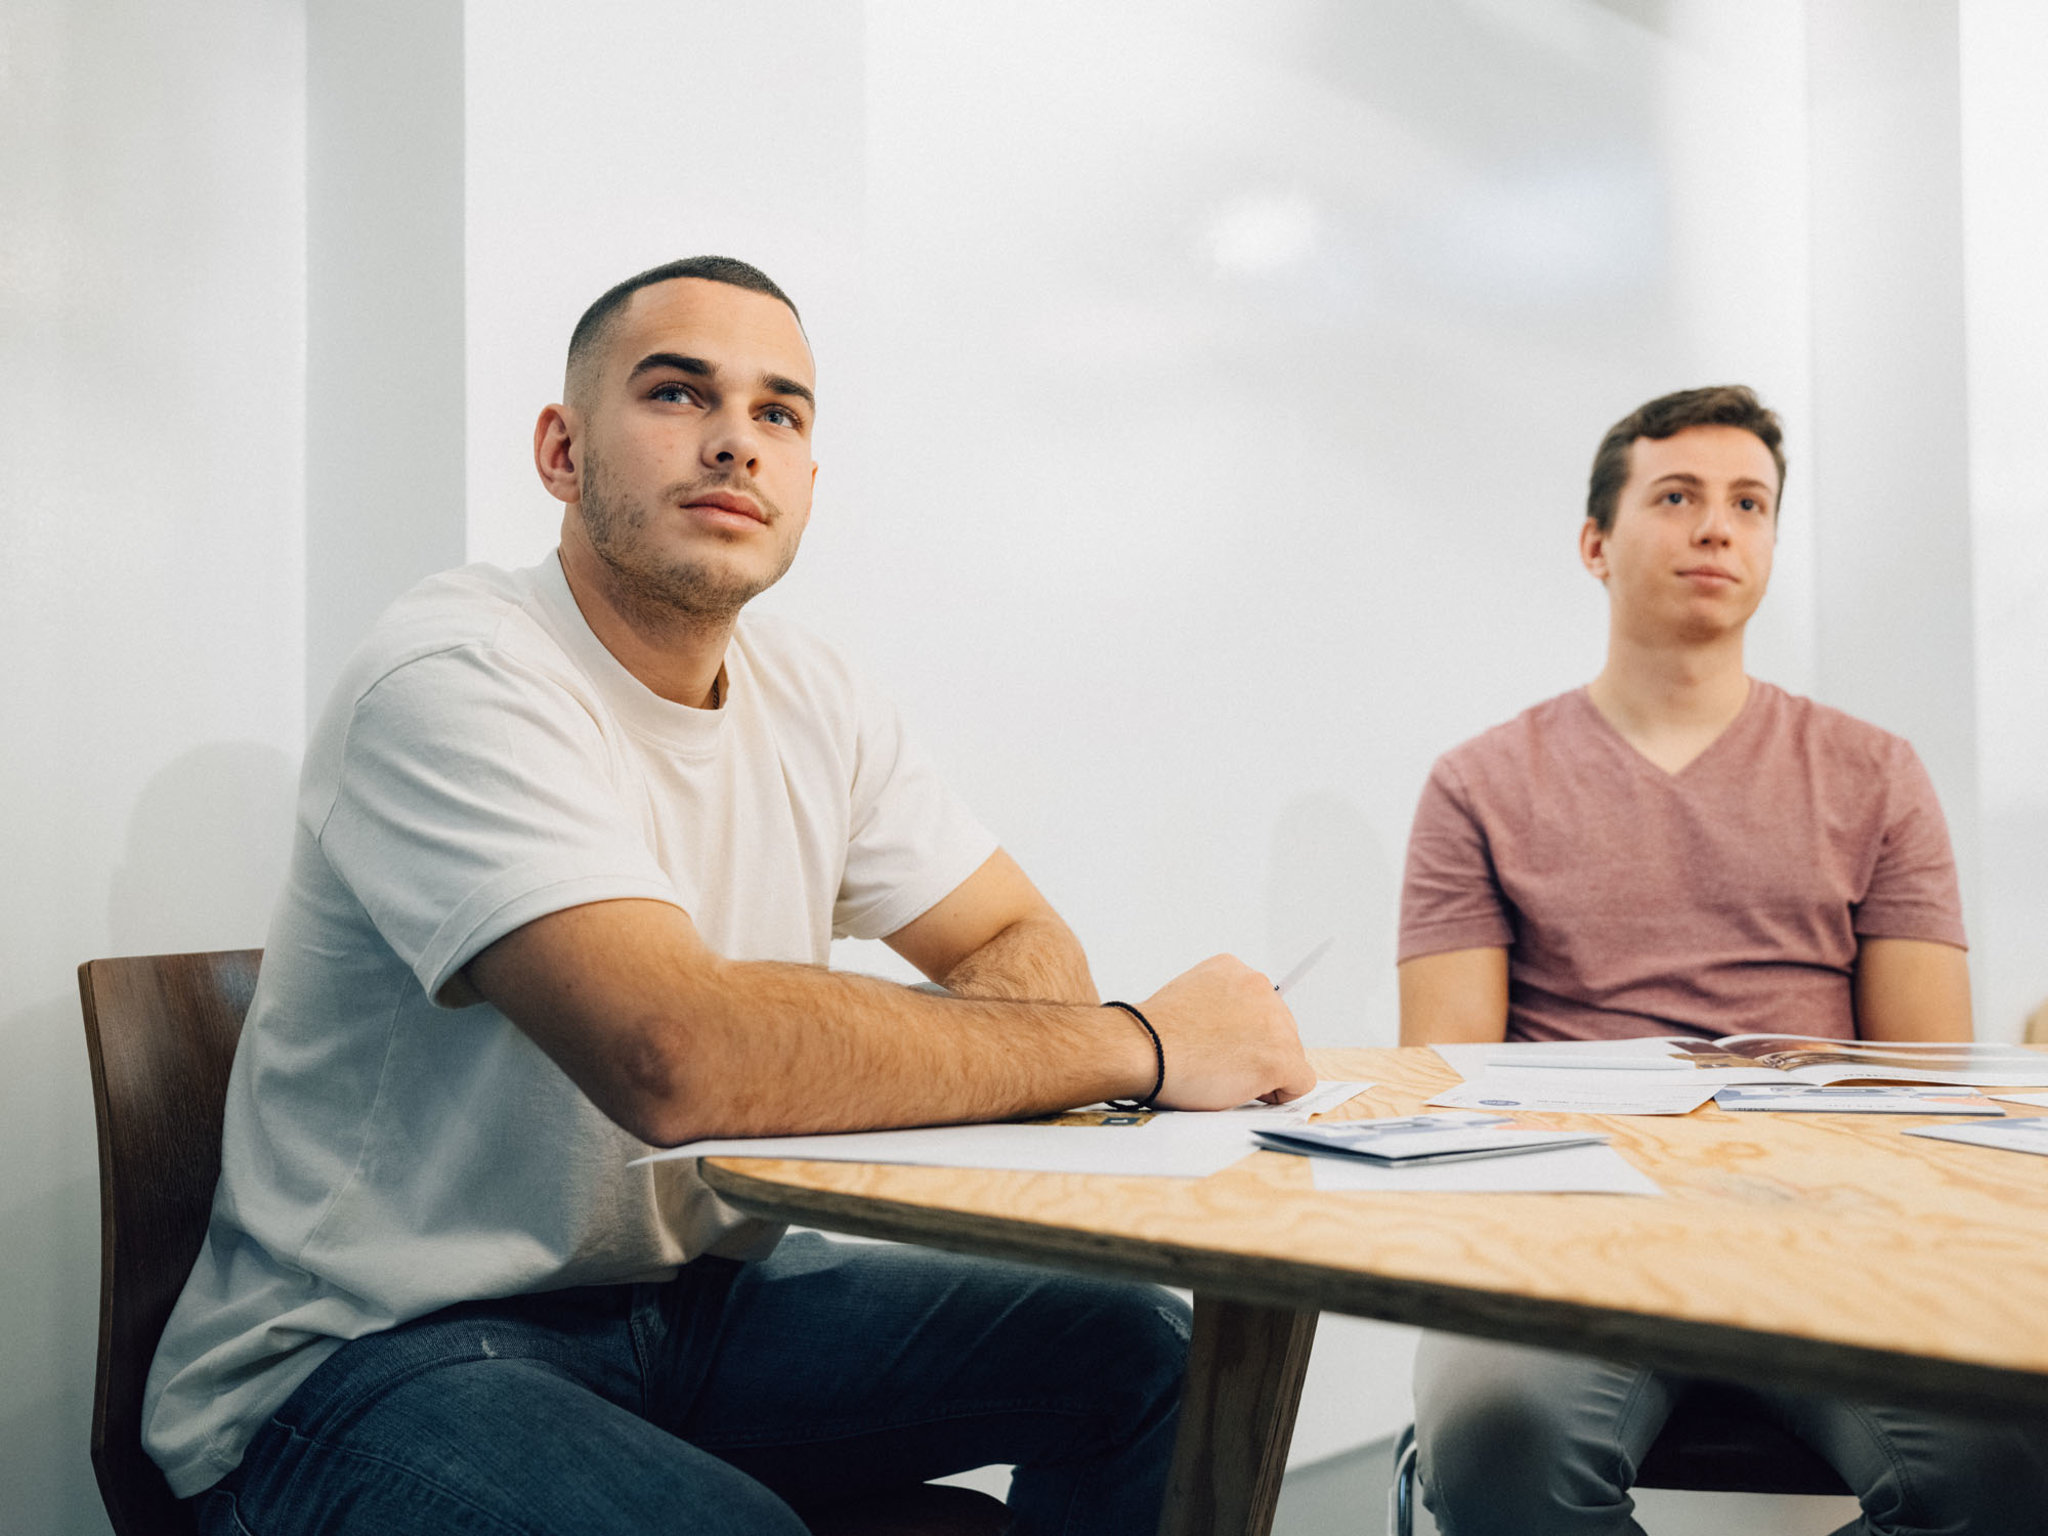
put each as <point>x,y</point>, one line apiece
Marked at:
<point>1726,898</point>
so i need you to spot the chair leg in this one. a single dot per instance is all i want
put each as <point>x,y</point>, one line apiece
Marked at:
<point>1401,1492</point>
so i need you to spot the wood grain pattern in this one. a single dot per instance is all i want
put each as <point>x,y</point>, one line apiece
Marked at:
<point>1245,1369</point>
<point>1818,1251</point>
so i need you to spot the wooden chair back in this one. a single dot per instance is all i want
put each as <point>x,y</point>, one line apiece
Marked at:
<point>161,1031</point>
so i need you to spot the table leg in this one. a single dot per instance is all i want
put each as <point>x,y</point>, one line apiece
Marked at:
<point>1245,1367</point>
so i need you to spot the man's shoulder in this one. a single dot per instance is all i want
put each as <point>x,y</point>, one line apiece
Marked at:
<point>1542,733</point>
<point>473,606</point>
<point>470,637</point>
<point>1832,737</point>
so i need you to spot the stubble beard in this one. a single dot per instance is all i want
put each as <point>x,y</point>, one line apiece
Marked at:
<point>694,591</point>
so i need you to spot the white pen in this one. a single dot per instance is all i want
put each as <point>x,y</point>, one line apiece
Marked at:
<point>1304,965</point>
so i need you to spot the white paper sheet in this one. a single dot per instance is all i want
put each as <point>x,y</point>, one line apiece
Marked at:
<point>1623,1066</point>
<point>2027,1133</point>
<point>1168,1144</point>
<point>1647,1053</point>
<point>2038,1100</point>
<point>1596,1170</point>
<point>1321,1099</point>
<point>1560,1092</point>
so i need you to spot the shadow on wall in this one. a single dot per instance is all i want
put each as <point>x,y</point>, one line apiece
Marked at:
<point>207,845</point>
<point>1329,876</point>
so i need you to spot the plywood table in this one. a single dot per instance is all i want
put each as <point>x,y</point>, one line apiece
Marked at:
<point>1824,1252</point>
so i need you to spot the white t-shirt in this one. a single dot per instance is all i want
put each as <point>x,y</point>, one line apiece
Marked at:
<point>483,762</point>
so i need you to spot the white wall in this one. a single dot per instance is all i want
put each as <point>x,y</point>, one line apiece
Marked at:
<point>1891,425</point>
<point>2005,212</point>
<point>151,388</point>
<point>385,370</point>
<point>1208,392</point>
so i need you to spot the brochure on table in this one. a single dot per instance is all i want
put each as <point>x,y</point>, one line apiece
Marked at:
<point>1408,1139</point>
<point>1097,1139</point>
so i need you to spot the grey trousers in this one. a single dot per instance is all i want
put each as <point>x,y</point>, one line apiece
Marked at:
<point>1514,1441</point>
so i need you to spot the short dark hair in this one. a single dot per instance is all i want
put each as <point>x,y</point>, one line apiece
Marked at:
<point>1718,405</point>
<point>587,340</point>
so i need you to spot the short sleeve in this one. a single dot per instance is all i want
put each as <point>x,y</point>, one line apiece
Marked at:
<point>1450,897</point>
<point>475,795</point>
<point>911,841</point>
<point>1913,892</point>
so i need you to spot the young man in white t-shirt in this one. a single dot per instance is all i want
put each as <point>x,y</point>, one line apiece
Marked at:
<point>572,845</point>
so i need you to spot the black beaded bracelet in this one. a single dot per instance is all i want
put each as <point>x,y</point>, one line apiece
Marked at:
<point>1151,1100</point>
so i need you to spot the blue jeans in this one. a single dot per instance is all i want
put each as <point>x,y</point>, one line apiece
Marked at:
<point>722,1401</point>
<point>1519,1441</point>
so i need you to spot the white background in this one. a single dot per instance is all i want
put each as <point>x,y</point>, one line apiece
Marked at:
<point>1207,394</point>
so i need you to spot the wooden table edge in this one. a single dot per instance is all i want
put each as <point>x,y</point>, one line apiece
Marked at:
<point>1724,1351</point>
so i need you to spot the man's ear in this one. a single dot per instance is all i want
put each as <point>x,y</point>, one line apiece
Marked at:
<point>558,452</point>
<point>1593,548</point>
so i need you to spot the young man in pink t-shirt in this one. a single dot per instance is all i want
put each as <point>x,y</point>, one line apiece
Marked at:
<point>1677,848</point>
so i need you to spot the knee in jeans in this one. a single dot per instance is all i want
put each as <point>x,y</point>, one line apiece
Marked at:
<point>1496,1444</point>
<point>1991,1478</point>
<point>1132,1336</point>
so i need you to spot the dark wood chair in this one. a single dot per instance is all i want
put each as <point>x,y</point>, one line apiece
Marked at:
<point>1717,1440</point>
<point>161,1032</point>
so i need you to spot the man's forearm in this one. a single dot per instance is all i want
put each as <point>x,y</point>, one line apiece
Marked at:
<point>676,1043</point>
<point>1036,957</point>
<point>787,1049</point>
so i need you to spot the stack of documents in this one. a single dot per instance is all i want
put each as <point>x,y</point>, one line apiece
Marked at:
<point>1868,1100</point>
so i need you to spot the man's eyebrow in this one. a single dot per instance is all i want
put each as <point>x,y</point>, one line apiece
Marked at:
<point>695,366</point>
<point>1683,477</point>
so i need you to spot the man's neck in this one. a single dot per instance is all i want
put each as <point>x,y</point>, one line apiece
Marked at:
<point>676,655</point>
<point>1671,703</point>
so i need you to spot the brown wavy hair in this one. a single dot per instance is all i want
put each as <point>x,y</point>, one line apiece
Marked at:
<point>1718,405</point>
